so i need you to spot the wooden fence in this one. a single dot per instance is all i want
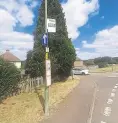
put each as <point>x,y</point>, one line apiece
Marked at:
<point>28,85</point>
<point>25,85</point>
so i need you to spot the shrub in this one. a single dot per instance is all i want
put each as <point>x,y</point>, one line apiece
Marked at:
<point>102,64</point>
<point>9,78</point>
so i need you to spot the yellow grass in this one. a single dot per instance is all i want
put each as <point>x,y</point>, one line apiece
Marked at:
<point>27,108</point>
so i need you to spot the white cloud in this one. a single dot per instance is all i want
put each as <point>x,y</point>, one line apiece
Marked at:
<point>107,38</point>
<point>20,10</point>
<point>10,5</point>
<point>13,13</point>
<point>7,21</point>
<point>25,16</point>
<point>16,36</point>
<point>18,43</point>
<point>77,12</point>
<point>84,55</point>
<point>105,44</point>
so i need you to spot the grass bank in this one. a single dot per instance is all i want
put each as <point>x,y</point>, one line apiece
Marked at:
<point>28,107</point>
<point>113,68</point>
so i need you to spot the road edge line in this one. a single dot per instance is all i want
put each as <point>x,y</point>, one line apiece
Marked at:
<point>93,104</point>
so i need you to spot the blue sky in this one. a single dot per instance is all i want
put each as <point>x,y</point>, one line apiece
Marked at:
<point>106,17</point>
<point>92,25</point>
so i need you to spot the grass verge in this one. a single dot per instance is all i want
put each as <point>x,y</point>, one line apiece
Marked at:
<point>28,107</point>
<point>106,69</point>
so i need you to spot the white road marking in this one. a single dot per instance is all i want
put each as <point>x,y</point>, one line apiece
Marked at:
<point>107,111</point>
<point>112,94</point>
<point>93,104</point>
<point>116,87</point>
<point>113,90</point>
<point>110,101</point>
<point>103,122</point>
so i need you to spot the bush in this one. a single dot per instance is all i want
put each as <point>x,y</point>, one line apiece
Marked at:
<point>102,64</point>
<point>9,78</point>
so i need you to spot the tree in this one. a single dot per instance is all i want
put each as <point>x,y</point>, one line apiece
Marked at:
<point>89,62</point>
<point>103,61</point>
<point>62,52</point>
<point>35,63</point>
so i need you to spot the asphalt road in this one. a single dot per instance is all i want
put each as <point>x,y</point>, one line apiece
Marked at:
<point>106,101</point>
<point>87,104</point>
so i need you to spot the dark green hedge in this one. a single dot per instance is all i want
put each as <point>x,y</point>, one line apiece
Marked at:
<point>9,78</point>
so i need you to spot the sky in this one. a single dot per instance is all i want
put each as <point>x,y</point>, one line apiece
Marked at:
<point>92,25</point>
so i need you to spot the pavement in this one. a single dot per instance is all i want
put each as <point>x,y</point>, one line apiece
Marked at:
<point>88,103</point>
<point>76,107</point>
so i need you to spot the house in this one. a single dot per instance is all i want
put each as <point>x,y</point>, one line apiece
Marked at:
<point>8,56</point>
<point>78,63</point>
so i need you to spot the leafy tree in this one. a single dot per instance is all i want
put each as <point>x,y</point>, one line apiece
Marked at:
<point>115,60</point>
<point>9,78</point>
<point>35,64</point>
<point>62,52</point>
<point>89,62</point>
<point>102,64</point>
<point>105,59</point>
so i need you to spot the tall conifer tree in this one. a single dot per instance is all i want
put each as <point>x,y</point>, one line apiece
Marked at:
<point>62,52</point>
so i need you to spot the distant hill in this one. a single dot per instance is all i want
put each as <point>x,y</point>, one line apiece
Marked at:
<point>101,61</point>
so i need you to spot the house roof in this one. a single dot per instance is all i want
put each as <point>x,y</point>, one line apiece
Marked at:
<point>8,56</point>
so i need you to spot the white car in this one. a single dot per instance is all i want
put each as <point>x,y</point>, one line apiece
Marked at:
<point>80,71</point>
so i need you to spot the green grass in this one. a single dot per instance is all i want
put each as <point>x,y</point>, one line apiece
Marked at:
<point>113,68</point>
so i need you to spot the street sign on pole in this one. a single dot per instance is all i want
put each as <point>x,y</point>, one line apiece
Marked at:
<point>51,25</point>
<point>45,40</point>
<point>47,49</point>
<point>48,73</point>
<point>46,58</point>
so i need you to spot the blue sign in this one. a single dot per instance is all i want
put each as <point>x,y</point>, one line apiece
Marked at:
<point>45,40</point>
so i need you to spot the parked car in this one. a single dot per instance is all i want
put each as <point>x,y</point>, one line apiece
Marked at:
<point>80,71</point>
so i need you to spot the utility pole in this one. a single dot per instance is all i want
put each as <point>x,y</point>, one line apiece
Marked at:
<point>50,27</point>
<point>46,58</point>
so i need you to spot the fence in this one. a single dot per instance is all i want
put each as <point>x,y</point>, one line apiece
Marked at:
<point>25,85</point>
<point>28,85</point>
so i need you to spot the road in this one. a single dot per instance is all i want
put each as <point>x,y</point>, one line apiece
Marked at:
<point>105,107</point>
<point>87,104</point>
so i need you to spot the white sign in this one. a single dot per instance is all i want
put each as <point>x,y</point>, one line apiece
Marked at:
<point>47,49</point>
<point>48,73</point>
<point>51,25</point>
<point>48,78</point>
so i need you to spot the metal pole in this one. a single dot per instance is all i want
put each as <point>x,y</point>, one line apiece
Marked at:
<point>46,16</point>
<point>46,58</point>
